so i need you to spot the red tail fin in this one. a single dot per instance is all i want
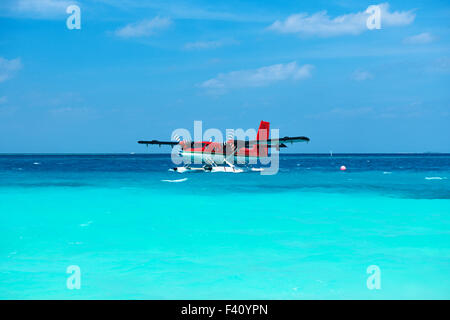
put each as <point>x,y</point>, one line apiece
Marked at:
<point>263,131</point>
<point>263,134</point>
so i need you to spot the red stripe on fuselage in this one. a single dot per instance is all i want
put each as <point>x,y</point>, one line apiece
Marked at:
<point>207,147</point>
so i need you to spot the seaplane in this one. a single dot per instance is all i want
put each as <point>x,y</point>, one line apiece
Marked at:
<point>222,156</point>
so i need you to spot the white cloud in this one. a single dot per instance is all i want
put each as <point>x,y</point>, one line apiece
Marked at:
<point>421,38</point>
<point>360,75</point>
<point>200,45</point>
<point>143,28</point>
<point>259,77</point>
<point>9,67</point>
<point>321,25</point>
<point>39,8</point>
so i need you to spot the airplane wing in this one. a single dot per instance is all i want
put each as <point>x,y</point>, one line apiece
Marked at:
<point>279,142</point>
<point>160,143</point>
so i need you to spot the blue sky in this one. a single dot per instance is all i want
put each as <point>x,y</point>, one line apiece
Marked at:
<point>140,69</point>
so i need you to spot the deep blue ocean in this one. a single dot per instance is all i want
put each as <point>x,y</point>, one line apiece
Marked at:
<point>308,232</point>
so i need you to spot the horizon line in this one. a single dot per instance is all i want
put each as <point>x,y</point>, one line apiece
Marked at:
<point>168,153</point>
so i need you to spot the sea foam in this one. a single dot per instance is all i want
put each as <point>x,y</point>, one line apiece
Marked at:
<point>178,180</point>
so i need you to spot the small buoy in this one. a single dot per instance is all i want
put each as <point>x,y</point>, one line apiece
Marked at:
<point>343,168</point>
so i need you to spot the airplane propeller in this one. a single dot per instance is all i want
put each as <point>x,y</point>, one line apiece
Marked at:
<point>176,138</point>
<point>230,134</point>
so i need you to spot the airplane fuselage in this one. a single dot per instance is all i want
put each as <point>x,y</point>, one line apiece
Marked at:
<point>208,152</point>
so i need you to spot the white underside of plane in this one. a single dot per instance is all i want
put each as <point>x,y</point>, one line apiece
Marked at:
<point>211,169</point>
<point>212,163</point>
<point>219,159</point>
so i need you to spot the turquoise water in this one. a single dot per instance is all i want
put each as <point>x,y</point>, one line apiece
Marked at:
<point>308,232</point>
